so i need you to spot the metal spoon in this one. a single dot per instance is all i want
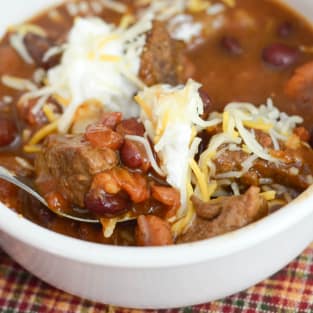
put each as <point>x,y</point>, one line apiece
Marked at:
<point>8,176</point>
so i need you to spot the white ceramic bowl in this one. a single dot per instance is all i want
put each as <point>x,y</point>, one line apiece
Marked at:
<point>157,277</point>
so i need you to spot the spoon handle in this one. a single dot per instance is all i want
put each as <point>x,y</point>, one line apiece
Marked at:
<point>9,177</point>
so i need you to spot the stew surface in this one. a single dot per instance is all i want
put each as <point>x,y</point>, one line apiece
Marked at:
<point>246,51</point>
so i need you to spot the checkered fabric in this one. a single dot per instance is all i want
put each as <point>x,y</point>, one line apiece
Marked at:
<point>289,291</point>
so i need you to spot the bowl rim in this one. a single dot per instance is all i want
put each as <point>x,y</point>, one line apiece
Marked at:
<point>82,251</point>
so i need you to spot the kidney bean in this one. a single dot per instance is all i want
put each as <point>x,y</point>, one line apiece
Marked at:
<point>37,46</point>
<point>8,131</point>
<point>130,127</point>
<point>153,231</point>
<point>205,138</point>
<point>106,205</point>
<point>231,45</point>
<point>285,29</point>
<point>103,137</point>
<point>111,119</point>
<point>25,112</point>
<point>133,155</point>
<point>280,55</point>
<point>207,104</point>
<point>130,155</point>
<point>166,195</point>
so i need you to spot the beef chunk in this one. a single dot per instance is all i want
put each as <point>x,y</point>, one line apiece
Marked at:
<point>37,46</point>
<point>163,60</point>
<point>68,164</point>
<point>295,170</point>
<point>225,214</point>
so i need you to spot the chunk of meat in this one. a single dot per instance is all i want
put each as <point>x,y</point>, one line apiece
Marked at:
<point>207,210</point>
<point>163,59</point>
<point>153,231</point>
<point>169,196</point>
<point>225,214</point>
<point>37,46</point>
<point>69,162</point>
<point>296,170</point>
<point>296,173</point>
<point>300,85</point>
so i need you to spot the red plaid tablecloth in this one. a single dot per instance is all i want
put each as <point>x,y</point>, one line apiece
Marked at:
<point>289,291</point>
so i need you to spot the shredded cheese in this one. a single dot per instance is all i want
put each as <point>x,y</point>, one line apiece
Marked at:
<point>17,42</point>
<point>183,224</point>
<point>198,5</point>
<point>18,83</point>
<point>53,51</point>
<point>127,20</point>
<point>109,224</point>
<point>230,3</point>
<point>23,29</point>
<point>32,148</point>
<point>43,133</point>
<point>269,195</point>
<point>170,116</point>
<point>258,124</point>
<point>49,113</point>
<point>114,5</point>
<point>100,61</point>
<point>109,58</point>
<point>203,184</point>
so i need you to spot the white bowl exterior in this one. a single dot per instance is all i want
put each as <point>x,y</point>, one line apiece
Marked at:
<point>157,277</point>
<point>162,287</point>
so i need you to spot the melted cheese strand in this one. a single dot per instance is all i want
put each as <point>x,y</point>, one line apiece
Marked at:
<point>185,222</point>
<point>203,184</point>
<point>18,83</point>
<point>43,133</point>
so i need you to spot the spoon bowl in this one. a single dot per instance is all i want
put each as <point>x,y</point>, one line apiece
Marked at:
<point>8,176</point>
